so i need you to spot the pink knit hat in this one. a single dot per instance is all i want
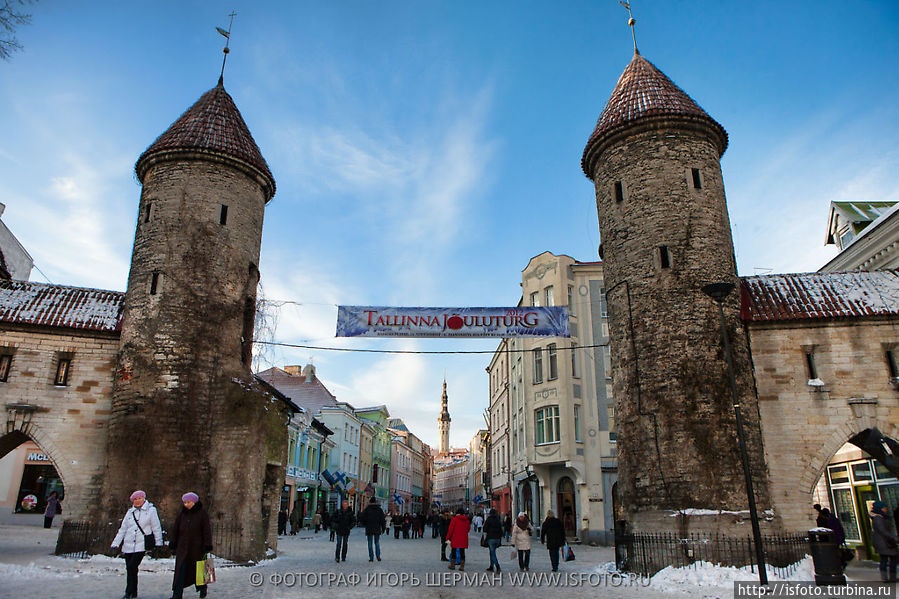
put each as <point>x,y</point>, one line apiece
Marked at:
<point>190,497</point>
<point>137,494</point>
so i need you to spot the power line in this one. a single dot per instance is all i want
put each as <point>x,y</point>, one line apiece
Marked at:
<point>409,351</point>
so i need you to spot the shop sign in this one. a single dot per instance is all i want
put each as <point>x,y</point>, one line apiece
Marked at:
<point>36,456</point>
<point>302,473</point>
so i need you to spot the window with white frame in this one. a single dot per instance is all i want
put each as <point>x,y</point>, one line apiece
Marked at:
<point>553,362</point>
<point>538,364</point>
<point>548,296</point>
<point>546,425</point>
<point>535,298</point>
<point>577,423</point>
<point>574,369</point>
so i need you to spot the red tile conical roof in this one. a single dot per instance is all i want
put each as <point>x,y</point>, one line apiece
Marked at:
<point>644,92</point>
<point>213,125</point>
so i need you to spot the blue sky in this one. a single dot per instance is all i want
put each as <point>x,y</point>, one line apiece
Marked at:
<point>424,151</point>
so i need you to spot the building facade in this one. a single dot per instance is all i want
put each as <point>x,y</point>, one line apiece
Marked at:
<point>867,235</point>
<point>377,417</point>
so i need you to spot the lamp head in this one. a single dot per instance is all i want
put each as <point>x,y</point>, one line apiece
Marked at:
<point>718,291</point>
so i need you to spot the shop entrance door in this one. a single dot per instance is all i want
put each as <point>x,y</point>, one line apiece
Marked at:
<point>866,495</point>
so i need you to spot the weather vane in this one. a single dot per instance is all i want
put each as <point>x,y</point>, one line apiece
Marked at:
<point>225,50</point>
<point>631,21</point>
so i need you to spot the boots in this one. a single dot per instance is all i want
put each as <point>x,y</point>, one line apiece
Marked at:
<point>462,566</point>
<point>452,565</point>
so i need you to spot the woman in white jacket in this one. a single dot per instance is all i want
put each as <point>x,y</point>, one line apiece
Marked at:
<point>140,519</point>
<point>521,540</point>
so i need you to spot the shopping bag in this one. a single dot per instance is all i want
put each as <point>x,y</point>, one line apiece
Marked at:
<point>568,553</point>
<point>205,571</point>
<point>483,540</point>
<point>514,555</point>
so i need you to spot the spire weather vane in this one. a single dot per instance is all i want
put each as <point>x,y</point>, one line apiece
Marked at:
<point>631,21</point>
<point>225,50</point>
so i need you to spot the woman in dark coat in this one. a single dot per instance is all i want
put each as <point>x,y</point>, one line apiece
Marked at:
<point>191,539</point>
<point>553,534</point>
<point>884,541</point>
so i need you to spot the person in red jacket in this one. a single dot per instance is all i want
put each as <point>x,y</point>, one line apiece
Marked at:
<point>457,535</point>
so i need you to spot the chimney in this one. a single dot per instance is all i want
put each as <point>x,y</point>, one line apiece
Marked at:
<point>309,373</point>
<point>294,370</point>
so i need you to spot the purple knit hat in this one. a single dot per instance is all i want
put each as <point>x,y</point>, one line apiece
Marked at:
<point>190,496</point>
<point>137,494</point>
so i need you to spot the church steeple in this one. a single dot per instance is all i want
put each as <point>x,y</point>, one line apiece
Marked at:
<point>443,423</point>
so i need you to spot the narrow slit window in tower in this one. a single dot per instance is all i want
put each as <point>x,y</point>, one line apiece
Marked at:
<point>154,283</point>
<point>147,211</point>
<point>697,182</point>
<point>664,258</point>
<point>62,372</point>
<point>619,192</point>
<point>5,364</point>
<point>223,215</point>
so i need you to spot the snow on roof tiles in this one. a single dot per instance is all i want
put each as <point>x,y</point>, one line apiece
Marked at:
<point>23,302</point>
<point>820,295</point>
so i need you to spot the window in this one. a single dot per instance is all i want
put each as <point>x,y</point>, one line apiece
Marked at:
<point>553,362</point>
<point>571,300</point>
<point>538,365</point>
<point>574,371</point>
<point>619,191</point>
<point>613,438</point>
<point>664,258</point>
<point>891,364</point>
<point>5,364</point>
<point>154,283</point>
<point>548,296</point>
<point>62,372</point>
<point>223,215</point>
<point>697,182</point>
<point>577,423</point>
<point>546,425</point>
<point>810,364</point>
<point>535,298</point>
<point>148,207</point>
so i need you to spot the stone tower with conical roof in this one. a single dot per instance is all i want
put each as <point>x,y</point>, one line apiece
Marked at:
<point>443,423</point>
<point>188,414</point>
<point>654,159</point>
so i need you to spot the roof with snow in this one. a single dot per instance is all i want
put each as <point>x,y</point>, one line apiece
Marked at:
<point>312,396</point>
<point>212,125</point>
<point>40,304</point>
<point>644,92</point>
<point>820,295</point>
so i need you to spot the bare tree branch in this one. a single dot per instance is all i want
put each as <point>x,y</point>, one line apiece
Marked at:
<point>11,17</point>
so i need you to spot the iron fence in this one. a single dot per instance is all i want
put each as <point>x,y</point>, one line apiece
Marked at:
<point>81,539</point>
<point>648,553</point>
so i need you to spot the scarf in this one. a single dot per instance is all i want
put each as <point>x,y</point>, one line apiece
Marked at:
<point>522,523</point>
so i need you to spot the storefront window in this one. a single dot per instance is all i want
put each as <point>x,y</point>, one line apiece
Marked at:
<point>838,474</point>
<point>842,503</point>
<point>881,471</point>
<point>861,472</point>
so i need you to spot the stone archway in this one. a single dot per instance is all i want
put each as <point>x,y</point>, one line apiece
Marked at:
<point>53,468</point>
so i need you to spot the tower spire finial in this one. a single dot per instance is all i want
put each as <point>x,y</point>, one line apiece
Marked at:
<point>226,50</point>
<point>631,21</point>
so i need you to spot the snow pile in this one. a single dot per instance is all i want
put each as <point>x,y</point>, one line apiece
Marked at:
<point>705,574</point>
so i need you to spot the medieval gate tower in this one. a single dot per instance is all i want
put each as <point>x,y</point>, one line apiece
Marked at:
<point>187,413</point>
<point>654,160</point>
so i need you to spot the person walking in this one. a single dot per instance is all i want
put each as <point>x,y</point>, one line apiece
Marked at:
<point>388,521</point>
<point>296,520</point>
<point>54,507</point>
<point>191,540</point>
<point>521,539</point>
<point>141,519</point>
<point>884,541</point>
<point>333,520</point>
<point>326,518</point>
<point>445,519</point>
<point>457,535</point>
<point>478,523</point>
<point>282,521</point>
<point>317,521</point>
<point>343,523</point>
<point>493,531</point>
<point>507,526</point>
<point>407,525</point>
<point>435,524</point>
<point>375,523</point>
<point>553,534</point>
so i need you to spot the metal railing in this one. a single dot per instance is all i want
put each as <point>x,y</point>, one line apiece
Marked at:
<point>648,553</point>
<point>80,539</point>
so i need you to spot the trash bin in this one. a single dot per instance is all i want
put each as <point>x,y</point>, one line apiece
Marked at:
<point>826,556</point>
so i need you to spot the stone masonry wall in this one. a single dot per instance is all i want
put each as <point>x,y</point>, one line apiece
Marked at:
<point>69,424</point>
<point>803,427</point>
<point>677,444</point>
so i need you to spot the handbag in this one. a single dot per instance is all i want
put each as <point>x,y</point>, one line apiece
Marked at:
<point>846,554</point>
<point>149,539</point>
<point>568,553</point>
<point>483,540</point>
<point>514,555</point>
<point>205,571</point>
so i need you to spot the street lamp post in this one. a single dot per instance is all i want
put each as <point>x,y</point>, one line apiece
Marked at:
<point>718,292</point>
